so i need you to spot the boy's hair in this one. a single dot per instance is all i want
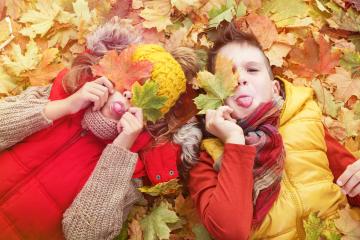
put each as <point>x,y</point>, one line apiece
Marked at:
<point>229,34</point>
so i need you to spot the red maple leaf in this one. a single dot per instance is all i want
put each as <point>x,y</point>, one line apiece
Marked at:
<point>315,58</point>
<point>122,70</point>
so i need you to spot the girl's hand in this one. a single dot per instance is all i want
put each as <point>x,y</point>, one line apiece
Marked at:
<point>96,92</point>
<point>222,125</point>
<point>349,180</point>
<point>130,126</point>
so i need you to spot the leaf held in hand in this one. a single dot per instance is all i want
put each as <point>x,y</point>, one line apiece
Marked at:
<point>122,70</point>
<point>145,97</point>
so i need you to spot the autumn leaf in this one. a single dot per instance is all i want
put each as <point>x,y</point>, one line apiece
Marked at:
<point>161,189</point>
<point>316,228</point>
<point>263,29</point>
<point>145,97</point>
<point>156,14</point>
<point>6,32</point>
<point>186,6</point>
<point>314,58</point>
<point>18,63</point>
<point>346,86</point>
<point>347,225</point>
<point>218,87</point>
<point>7,83</point>
<point>47,69</point>
<point>225,13</point>
<point>286,13</point>
<point>277,53</point>
<point>154,224</point>
<point>134,230</point>
<point>185,208</point>
<point>41,19</point>
<point>349,20</point>
<point>351,61</point>
<point>351,124</point>
<point>121,69</point>
<point>326,100</point>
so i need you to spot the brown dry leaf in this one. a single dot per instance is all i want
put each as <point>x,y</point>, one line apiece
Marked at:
<point>263,29</point>
<point>176,39</point>
<point>346,85</point>
<point>336,128</point>
<point>347,225</point>
<point>351,124</point>
<point>134,230</point>
<point>277,53</point>
<point>185,208</point>
<point>252,5</point>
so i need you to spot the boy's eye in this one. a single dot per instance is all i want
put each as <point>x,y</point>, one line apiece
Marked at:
<point>252,70</point>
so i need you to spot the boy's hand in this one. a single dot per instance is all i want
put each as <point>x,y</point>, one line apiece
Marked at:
<point>96,92</point>
<point>130,126</point>
<point>349,180</point>
<point>222,125</point>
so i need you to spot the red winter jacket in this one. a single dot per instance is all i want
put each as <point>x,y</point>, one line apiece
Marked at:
<point>41,175</point>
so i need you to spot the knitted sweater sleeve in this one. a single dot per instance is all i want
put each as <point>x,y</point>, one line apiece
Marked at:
<point>22,115</point>
<point>102,205</point>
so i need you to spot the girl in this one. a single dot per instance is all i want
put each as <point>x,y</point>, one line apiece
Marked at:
<point>81,138</point>
<point>274,151</point>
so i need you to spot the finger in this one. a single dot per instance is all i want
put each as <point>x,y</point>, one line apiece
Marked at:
<point>138,113</point>
<point>102,97</point>
<point>92,98</point>
<point>104,93</point>
<point>355,191</point>
<point>105,82</point>
<point>126,127</point>
<point>209,117</point>
<point>220,113</point>
<point>350,170</point>
<point>351,183</point>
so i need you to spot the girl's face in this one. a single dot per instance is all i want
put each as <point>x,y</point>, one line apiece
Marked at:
<point>117,104</point>
<point>255,85</point>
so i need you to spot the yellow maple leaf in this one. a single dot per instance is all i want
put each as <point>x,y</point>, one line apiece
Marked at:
<point>156,14</point>
<point>351,124</point>
<point>7,83</point>
<point>18,63</point>
<point>47,69</point>
<point>277,53</point>
<point>41,19</point>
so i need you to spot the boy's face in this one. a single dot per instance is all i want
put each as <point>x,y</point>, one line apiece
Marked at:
<point>255,85</point>
<point>117,104</point>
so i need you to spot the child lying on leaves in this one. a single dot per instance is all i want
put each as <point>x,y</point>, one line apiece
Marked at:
<point>272,163</point>
<point>71,151</point>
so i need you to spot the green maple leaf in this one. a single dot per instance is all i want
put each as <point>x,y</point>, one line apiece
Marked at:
<point>316,228</point>
<point>351,62</point>
<point>218,87</point>
<point>145,97</point>
<point>154,225</point>
<point>225,12</point>
<point>287,13</point>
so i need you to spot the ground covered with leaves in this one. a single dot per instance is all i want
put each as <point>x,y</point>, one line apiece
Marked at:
<point>313,43</point>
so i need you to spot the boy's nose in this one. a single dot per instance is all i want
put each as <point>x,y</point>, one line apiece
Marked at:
<point>242,81</point>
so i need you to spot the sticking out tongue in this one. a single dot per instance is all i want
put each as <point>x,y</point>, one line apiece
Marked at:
<point>244,101</point>
<point>118,108</point>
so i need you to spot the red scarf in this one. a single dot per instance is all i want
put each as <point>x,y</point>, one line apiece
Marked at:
<point>261,131</point>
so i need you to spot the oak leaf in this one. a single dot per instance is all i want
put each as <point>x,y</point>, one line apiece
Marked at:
<point>121,69</point>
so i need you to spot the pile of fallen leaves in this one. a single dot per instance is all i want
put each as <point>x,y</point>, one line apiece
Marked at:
<point>312,43</point>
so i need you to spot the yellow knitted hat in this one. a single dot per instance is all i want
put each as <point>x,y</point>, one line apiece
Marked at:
<point>166,72</point>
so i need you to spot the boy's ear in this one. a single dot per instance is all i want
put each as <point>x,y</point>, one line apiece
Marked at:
<point>276,87</point>
<point>188,61</point>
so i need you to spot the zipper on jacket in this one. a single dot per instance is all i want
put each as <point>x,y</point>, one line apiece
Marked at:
<point>72,140</point>
<point>299,209</point>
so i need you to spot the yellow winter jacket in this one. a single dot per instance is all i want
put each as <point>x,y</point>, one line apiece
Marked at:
<point>307,185</point>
